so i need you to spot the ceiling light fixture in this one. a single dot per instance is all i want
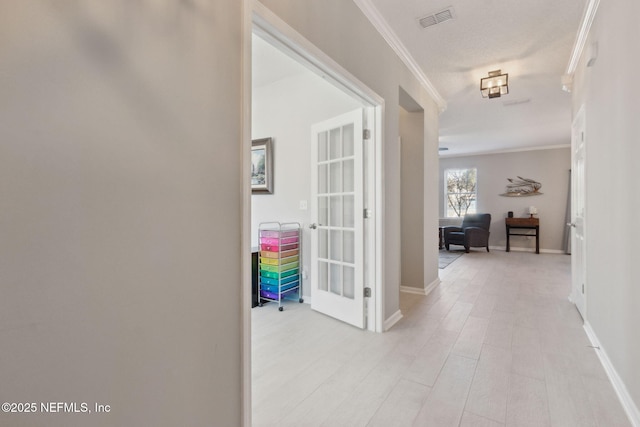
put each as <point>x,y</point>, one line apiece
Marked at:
<point>494,86</point>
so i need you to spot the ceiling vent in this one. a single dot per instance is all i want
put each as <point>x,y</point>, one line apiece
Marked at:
<point>436,18</point>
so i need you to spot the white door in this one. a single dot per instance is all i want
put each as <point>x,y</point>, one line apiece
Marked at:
<point>337,261</point>
<point>578,254</point>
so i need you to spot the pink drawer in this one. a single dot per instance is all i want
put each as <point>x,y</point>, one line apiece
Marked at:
<point>276,241</point>
<point>269,241</point>
<point>276,233</point>
<point>276,248</point>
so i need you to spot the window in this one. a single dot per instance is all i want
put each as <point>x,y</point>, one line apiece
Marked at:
<point>460,192</point>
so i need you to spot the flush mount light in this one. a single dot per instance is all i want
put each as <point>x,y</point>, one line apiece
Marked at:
<point>494,86</point>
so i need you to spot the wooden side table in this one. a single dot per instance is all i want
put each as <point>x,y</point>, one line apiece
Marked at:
<point>525,224</point>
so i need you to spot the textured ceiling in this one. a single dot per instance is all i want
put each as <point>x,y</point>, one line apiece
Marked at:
<point>530,40</point>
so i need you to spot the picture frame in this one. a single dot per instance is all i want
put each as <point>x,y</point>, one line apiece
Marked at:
<point>262,166</point>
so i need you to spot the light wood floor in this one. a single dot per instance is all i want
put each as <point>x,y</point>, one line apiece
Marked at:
<point>496,344</point>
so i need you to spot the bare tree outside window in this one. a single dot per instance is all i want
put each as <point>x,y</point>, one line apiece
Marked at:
<point>460,191</point>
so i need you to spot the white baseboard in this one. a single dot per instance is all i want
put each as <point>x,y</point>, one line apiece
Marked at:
<point>431,286</point>
<point>392,320</point>
<point>532,250</point>
<point>618,385</point>
<point>553,251</point>
<point>412,290</point>
<point>420,291</point>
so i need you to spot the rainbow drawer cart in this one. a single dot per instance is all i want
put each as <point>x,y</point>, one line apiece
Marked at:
<point>280,258</point>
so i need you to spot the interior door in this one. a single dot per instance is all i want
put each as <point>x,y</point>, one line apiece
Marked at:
<point>578,253</point>
<point>337,238</point>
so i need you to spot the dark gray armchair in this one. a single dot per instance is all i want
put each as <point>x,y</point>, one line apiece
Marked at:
<point>473,233</point>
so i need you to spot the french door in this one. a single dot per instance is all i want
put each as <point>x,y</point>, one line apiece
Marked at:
<point>337,237</point>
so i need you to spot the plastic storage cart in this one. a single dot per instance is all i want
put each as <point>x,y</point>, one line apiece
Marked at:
<point>279,276</point>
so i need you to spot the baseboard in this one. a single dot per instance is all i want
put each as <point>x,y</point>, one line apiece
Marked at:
<point>431,286</point>
<point>418,291</point>
<point>553,251</point>
<point>411,290</point>
<point>532,250</point>
<point>618,385</point>
<point>392,320</point>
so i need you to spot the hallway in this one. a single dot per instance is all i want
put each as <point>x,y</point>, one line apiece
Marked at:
<point>497,343</point>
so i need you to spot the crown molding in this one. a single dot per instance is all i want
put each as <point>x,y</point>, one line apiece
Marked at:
<point>583,33</point>
<point>380,24</point>
<point>500,151</point>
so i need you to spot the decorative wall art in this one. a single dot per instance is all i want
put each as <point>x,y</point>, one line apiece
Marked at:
<point>522,187</point>
<point>262,166</point>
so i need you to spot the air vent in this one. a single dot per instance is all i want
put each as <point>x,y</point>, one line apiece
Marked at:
<point>436,18</point>
<point>428,21</point>
<point>445,15</point>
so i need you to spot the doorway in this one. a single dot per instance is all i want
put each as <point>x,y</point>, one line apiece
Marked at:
<point>288,102</point>
<point>275,33</point>
<point>270,29</point>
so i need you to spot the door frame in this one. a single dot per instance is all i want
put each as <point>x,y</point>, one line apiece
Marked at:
<point>245,233</point>
<point>274,30</point>
<point>576,294</point>
<point>260,20</point>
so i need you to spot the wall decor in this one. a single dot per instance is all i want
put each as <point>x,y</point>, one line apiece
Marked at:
<point>522,187</point>
<point>262,166</point>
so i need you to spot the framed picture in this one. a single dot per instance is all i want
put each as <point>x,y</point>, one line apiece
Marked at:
<point>262,166</point>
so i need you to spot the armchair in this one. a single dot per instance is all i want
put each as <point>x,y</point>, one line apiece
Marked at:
<point>474,232</point>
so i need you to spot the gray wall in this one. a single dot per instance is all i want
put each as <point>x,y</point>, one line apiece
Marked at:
<point>340,29</point>
<point>612,191</point>
<point>549,167</point>
<point>120,211</point>
<point>412,198</point>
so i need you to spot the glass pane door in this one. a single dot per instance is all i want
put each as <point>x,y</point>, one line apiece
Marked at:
<point>337,241</point>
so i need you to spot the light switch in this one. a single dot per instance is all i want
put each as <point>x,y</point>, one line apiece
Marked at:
<point>303,205</point>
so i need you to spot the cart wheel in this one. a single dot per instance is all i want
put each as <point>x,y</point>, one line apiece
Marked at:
<point>300,300</point>
<point>260,304</point>
<point>280,308</point>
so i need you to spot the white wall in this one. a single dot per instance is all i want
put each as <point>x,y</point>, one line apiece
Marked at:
<point>120,211</point>
<point>610,90</point>
<point>285,110</point>
<point>549,167</point>
<point>340,29</point>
